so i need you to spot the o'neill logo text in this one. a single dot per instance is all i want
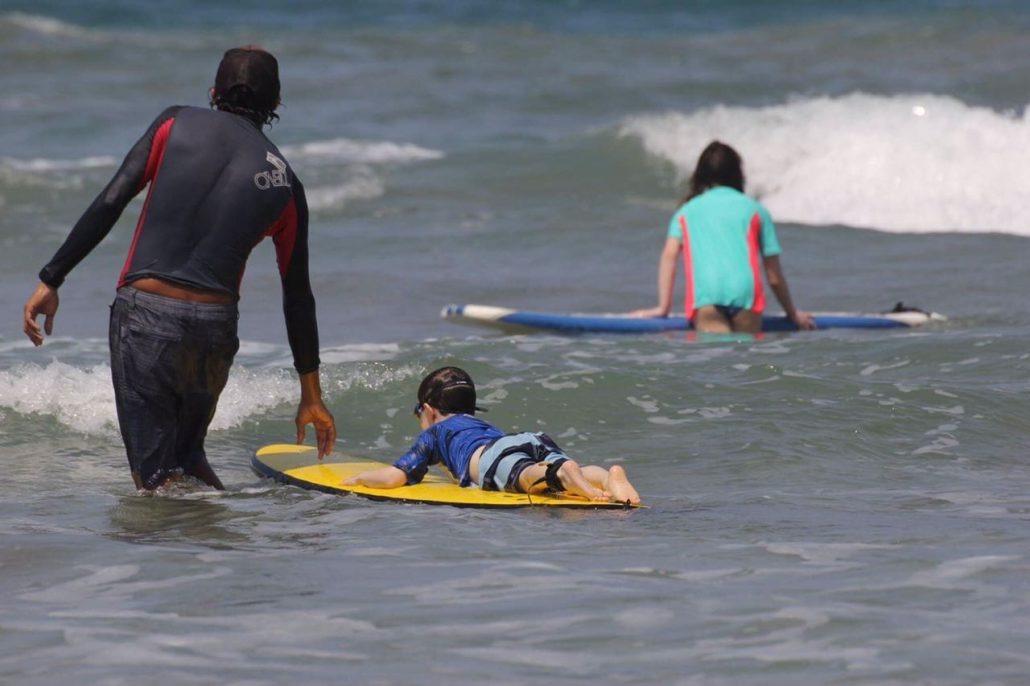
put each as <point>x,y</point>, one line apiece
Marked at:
<point>276,178</point>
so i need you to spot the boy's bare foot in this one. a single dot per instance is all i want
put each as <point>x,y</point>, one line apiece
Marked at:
<point>620,488</point>
<point>574,482</point>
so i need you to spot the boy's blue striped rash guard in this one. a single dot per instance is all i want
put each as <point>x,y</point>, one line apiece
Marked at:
<point>452,442</point>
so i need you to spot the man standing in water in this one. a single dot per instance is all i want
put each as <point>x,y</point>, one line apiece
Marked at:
<point>218,186</point>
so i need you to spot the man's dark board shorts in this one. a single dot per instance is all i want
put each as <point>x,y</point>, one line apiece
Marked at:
<point>170,360</point>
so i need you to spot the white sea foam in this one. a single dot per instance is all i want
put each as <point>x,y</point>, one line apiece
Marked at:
<point>37,23</point>
<point>903,163</point>
<point>948,573</point>
<point>363,187</point>
<point>823,553</point>
<point>352,151</point>
<point>336,150</point>
<point>56,30</point>
<point>358,352</point>
<point>82,398</point>
<point>361,179</point>
<point>42,164</point>
<point>647,404</point>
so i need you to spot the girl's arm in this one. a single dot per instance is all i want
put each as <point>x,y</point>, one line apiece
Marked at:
<point>666,279</point>
<point>778,284</point>
<point>384,477</point>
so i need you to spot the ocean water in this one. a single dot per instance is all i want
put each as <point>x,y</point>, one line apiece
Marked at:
<point>835,507</point>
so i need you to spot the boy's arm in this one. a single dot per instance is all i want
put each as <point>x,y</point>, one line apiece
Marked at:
<point>411,468</point>
<point>384,477</point>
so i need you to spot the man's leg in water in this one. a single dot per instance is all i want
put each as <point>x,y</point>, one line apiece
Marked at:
<point>194,421</point>
<point>193,457</point>
<point>747,321</point>
<point>209,372</point>
<point>707,319</point>
<point>170,361</point>
<point>146,414</point>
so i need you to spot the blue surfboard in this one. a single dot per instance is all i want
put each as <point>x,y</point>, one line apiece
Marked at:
<point>509,319</point>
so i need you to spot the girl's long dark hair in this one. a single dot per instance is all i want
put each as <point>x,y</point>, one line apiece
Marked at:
<point>718,165</point>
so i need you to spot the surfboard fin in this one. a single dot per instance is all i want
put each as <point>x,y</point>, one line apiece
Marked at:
<point>901,307</point>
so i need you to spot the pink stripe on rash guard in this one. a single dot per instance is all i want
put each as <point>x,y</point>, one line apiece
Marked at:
<point>688,271</point>
<point>754,252</point>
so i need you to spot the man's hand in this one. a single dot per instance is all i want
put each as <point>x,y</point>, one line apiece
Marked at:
<point>804,321</point>
<point>315,412</point>
<point>43,301</point>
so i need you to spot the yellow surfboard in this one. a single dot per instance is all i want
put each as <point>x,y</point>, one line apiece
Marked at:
<point>298,465</point>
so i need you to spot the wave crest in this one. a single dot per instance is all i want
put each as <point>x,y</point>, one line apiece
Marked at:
<point>82,398</point>
<point>344,169</point>
<point>357,151</point>
<point>905,163</point>
<point>42,164</point>
<point>38,23</point>
<point>365,185</point>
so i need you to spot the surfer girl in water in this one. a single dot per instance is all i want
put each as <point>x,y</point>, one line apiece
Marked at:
<point>476,452</point>
<point>724,235</point>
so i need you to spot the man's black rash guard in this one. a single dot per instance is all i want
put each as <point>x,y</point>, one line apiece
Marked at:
<point>218,186</point>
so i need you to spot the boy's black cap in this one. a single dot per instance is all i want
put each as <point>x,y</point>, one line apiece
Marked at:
<point>467,383</point>
<point>433,386</point>
<point>252,67</point>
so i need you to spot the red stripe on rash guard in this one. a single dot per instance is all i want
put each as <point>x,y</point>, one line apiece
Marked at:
<point>154,160</point>
<point>754,251</point>
<point>284,233</point>
<point>157,152</point>
<point>688,271</point>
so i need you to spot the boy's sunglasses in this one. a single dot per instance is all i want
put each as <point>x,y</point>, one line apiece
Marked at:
<point>418,410</point>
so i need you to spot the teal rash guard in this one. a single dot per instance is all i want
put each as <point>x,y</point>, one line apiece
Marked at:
<point>724,235</point>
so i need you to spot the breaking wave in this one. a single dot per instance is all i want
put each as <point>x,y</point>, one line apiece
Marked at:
<point>903,163</point>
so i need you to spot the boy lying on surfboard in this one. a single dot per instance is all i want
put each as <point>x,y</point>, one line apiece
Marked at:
<point>476,452</point>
